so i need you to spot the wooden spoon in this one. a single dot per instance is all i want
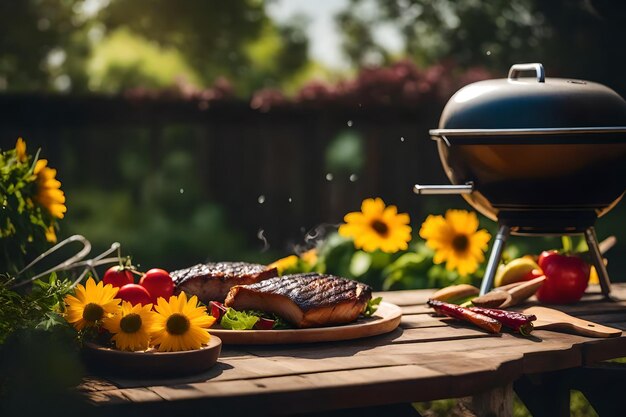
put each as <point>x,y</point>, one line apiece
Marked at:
<point>523,292</point>
<point>551,319</point>
<point>493,299</point>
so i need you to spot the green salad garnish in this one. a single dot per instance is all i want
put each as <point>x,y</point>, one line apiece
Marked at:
<point>372,306</point>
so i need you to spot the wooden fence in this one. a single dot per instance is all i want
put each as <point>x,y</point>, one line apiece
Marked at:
<point>270,170</point>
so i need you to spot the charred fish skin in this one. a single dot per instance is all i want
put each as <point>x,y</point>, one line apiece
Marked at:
<point>312,290</point>
<point>304,300</point>
<point>212,281</point>
<point>219,270</point>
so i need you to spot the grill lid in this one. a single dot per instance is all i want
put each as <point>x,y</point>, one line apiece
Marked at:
<point>526,106</point>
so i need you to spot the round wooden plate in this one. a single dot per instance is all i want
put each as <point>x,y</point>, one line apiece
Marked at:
<point>152,363</point>
<point>385,320</point>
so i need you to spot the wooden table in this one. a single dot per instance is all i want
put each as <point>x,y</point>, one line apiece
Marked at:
<point>426,358</point>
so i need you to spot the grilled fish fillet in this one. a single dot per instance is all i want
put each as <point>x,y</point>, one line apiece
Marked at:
<point>304,300</point>
<point>211,282</point>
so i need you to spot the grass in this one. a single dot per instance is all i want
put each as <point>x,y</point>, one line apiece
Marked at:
<point>579,407</point>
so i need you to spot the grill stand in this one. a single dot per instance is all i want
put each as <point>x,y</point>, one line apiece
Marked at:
<point>500,241</point>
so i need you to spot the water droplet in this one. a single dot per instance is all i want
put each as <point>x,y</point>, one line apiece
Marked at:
<point>353,177</point>
<point>350,123</point>
<point>182,190</point>
<point>290,199</point>
<point>401,138</point>
<point>329,177</point>
<point>261,199</point>
<point>488,52</point>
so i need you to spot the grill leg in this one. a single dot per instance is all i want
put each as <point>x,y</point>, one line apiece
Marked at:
<point>598,262</point>
<point>494,258</point>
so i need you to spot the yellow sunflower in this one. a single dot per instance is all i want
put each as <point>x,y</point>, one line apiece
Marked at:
<point>180,324</point>
<point>49,194</point>
<point>310,256</point>
<point>377,227</point>
<point>20,150</point>
<point>51,235</point>
<point>131,326</point>
<point>456,240</point>
<point>91,304</point>
<point>284,264</point>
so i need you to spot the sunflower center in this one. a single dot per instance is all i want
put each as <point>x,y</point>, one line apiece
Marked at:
<point>177,324</point>
<point>130,323</point>
<point>380,227</point>
<point>93,312</point>
<point>460,243</point>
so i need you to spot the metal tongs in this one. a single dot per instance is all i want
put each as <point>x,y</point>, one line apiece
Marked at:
<point>74,262</point>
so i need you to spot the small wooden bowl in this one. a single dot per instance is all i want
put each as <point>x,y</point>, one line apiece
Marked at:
<point>110,361</point>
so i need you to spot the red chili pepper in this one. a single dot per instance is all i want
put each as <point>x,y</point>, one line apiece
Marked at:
<point>264,324</point>
<point>465,314</point>
<point>518,322</point>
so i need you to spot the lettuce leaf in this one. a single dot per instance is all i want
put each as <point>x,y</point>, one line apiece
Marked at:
<point>372,306</point>
<point>238,320</point>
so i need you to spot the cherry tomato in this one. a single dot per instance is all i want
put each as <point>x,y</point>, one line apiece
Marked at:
<point>566,278</point>
<point>134,294</point>
<point>158,283</point>
<point>118,276</point>
<point>217,309</point>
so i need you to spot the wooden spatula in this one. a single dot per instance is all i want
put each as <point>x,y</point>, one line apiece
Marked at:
<point>551,319</point>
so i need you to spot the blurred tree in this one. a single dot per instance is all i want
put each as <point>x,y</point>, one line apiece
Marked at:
<point>575,38</point>
<point>37,39</point>
<point>110,45</point>
<point>234,39</point>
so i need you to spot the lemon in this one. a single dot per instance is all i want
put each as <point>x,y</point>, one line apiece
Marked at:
<point>514,271</point>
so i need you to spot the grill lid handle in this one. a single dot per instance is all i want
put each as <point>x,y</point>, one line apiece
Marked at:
<point>535,66</point>
<point>443,189</point>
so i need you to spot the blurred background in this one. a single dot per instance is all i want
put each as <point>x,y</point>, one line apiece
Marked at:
<point>199,130</point>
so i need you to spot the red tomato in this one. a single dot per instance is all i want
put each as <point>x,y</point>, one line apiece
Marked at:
<point>134,294</point>
<point>532,274</point>
<point>566,278</point>
<point>118,276</point>
<point>158,283</point>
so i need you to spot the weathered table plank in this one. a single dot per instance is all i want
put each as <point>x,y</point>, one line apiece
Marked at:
<point>425,358</point>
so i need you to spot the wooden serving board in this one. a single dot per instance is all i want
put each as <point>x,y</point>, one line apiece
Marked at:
<point>386,319</point>
<point>551,319</point>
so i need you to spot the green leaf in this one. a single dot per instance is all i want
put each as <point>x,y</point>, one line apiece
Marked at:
<point>238,320</point>
<point>410,260</point>
<point>336,255</point>
<point>50,321</point>
<point>372,306</point>
<point>360,263</point>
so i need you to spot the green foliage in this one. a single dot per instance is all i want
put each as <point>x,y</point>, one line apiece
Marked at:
<point>372,306</point>
<point>411,269</point>
<point>23,221</point>
<point>238,320</point>
<point>124,60</point>
<point>32,30</point>
<point>494,34</point>
<point>233,39</point>
<point>70,45</point>
<point>38,308</point>
<point>346,153</point>
<point>157,210</point>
